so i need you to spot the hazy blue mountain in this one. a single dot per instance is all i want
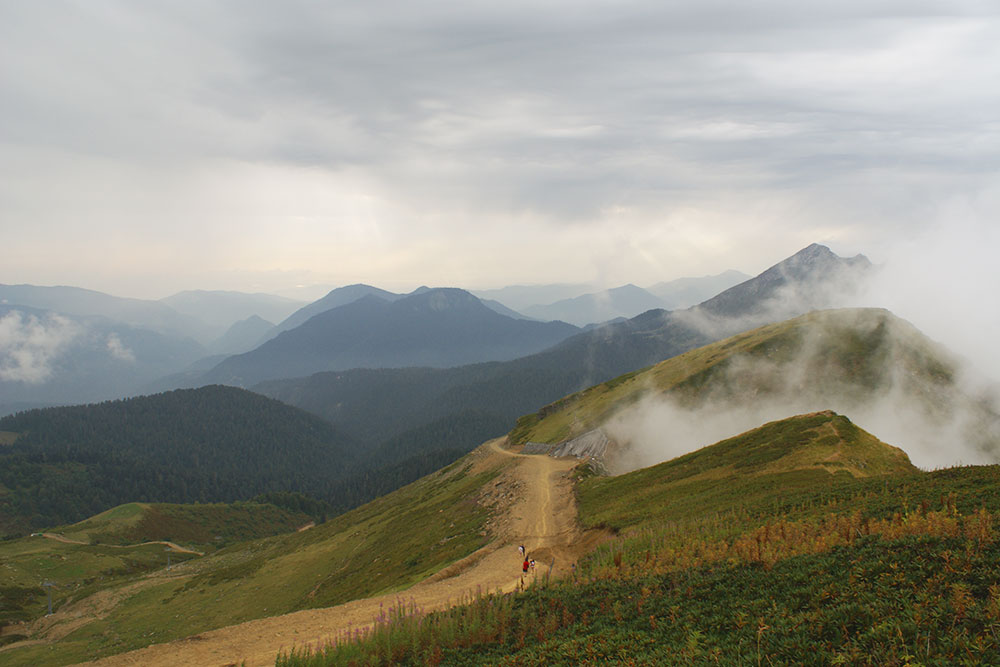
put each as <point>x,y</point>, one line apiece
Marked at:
<point>81,302</point>
<point>219,310</point>
<point>50,358</point>
<point>436,327</point>
<point>519,297</point>
<point>242,336</point>
<point>305,293</point>
<point>686,292</point>
<point>811,279</point>
<point>336,298</point>
<point>498,307</point>
<point>625,301</point>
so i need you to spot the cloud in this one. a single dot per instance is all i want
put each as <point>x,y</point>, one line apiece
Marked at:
<point>29,345</point>
<point>724,128</point>
<point>943,280</point>
<point>897,395</point>
<point>118,349</point>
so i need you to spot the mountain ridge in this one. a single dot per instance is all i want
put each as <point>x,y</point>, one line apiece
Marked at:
<point>505,390</point>
<point>439,327</point>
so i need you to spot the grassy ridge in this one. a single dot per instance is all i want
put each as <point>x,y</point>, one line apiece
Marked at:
<point>848,352</point>
<point>809,454</point>
<point>768,558</point>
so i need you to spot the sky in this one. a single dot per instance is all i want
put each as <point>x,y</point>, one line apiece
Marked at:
<point>155,146</point>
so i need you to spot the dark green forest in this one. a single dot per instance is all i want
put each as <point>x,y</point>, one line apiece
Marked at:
<point>213,444</point>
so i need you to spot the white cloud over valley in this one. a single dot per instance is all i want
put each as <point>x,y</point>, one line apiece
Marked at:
<point>30,344</point>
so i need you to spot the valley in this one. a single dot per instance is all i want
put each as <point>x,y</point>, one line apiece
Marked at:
<point>532,504</point>
<point>354,515</point>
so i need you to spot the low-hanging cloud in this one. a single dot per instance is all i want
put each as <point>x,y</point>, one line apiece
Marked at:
<point>118,349</point>
<point>905,399</point>
<point>29,345</point>
<point>943,280</point>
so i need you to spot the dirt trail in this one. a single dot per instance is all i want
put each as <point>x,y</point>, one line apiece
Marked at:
<point>542,518</point>
<point>60,538</point>
<point>172,546</point>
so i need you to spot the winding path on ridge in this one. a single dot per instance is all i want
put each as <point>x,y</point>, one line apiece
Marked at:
<point>543,518</point>
<point>170,545</point>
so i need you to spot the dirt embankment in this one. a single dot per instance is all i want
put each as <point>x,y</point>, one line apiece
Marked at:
<point>533,505</point>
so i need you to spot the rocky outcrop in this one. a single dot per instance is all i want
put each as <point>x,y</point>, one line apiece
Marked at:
<point>592,444</point>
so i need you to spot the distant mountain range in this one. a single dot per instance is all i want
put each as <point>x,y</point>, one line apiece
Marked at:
<point>629,301</point>
<point>582,305</point>
<point>51,358</point>
<point>687,292</point>
<point>221,310</point>
<point>810,279</point>
<point>80,303</point>
<point>342,296</point>
<point>434,328</point>
<point>374,405</point>
<point>223,443</point>
<point>625,301</point>
<point>67,345</point>
<point>242,336</point>
<point>336,298</point>
<point>520,297</point>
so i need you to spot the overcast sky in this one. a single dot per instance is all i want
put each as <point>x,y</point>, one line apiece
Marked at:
<point>148,147</point>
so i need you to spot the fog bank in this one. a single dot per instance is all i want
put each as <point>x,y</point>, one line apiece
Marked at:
<point>909,393</point>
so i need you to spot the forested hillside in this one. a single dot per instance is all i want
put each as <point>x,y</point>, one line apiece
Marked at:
<point>210,444</point>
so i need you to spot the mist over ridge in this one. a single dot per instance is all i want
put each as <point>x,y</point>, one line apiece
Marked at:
<point>866,364</point>
<point>940,286</point>
<point>944,280</point>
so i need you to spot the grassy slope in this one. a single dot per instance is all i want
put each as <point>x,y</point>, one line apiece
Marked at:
<point>855,346</point>
<point>906,601</point>
<point>807,454</point>
<point>114,548</point>
<point>382,546</point>
<point>200,527</point>
<point>747,551</point>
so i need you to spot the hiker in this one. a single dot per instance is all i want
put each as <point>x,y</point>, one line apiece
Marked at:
<point>525,566</point>
<point>521,549</point>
